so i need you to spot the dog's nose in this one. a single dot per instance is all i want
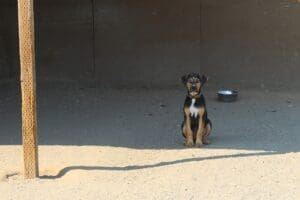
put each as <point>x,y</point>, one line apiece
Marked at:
<point>193,87</point>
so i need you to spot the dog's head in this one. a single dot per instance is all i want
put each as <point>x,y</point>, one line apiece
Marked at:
<point>194,83</point>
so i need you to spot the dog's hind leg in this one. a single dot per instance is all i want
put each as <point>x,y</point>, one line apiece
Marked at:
<point>207,132</point>
<point>183,129</point>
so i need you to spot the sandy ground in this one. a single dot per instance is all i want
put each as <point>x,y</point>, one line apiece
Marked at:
<point>98,143</point>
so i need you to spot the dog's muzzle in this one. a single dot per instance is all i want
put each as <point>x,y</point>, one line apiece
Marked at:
<point>193,88</point>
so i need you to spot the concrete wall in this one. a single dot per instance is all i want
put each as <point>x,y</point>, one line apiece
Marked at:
<point>254,43</point>
<point>153,42</point>
<point>64,39</point>
<point>147,42</point>
<point>8,40</point>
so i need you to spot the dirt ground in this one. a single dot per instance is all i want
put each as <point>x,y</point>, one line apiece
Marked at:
<point>101,143</point>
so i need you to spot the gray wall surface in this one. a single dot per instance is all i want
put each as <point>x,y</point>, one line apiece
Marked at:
<point>147,42</point>
<point>253,43</point>
<point>153,42</point>
<point>8,40</point>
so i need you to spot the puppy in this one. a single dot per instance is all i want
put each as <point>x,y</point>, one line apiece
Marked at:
<point>196,126</point>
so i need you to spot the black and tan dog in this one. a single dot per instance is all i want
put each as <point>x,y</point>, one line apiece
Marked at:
<point>196,127</point>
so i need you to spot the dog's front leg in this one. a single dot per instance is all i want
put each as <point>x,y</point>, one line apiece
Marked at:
<point>200,131</point>
<point>187,129</point>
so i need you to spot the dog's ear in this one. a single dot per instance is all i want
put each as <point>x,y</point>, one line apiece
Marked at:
<point>203,78</point>
<point>184,79</point>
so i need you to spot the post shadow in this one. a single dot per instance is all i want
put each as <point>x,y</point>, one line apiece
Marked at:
<point>66,170</point>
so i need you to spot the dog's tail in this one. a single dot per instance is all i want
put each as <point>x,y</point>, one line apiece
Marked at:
<point>208,127</point>
<point>182,125</point>
<point>208,122</point>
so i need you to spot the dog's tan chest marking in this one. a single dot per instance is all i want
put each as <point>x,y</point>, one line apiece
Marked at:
<point>194,110</point>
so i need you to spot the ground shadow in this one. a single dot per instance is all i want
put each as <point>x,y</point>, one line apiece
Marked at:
<point>66,170</point>
<point>150,118</point>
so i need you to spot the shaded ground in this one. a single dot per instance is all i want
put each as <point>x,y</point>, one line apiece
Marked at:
<point>150,119</point>
<point>126,143</point>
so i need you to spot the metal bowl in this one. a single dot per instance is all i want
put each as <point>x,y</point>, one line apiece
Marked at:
<point>227,95</point>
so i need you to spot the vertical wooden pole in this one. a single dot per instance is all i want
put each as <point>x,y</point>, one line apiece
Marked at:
<point>28,87</point>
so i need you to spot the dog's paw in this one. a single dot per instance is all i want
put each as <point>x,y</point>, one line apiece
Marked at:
<point>188,143</point>
<point>206,141</point>
<point>199,144</point>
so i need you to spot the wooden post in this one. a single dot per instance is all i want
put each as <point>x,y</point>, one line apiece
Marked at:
<point>28,87</point>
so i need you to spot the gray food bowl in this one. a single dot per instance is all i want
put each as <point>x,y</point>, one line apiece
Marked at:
<point>227,95</point>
